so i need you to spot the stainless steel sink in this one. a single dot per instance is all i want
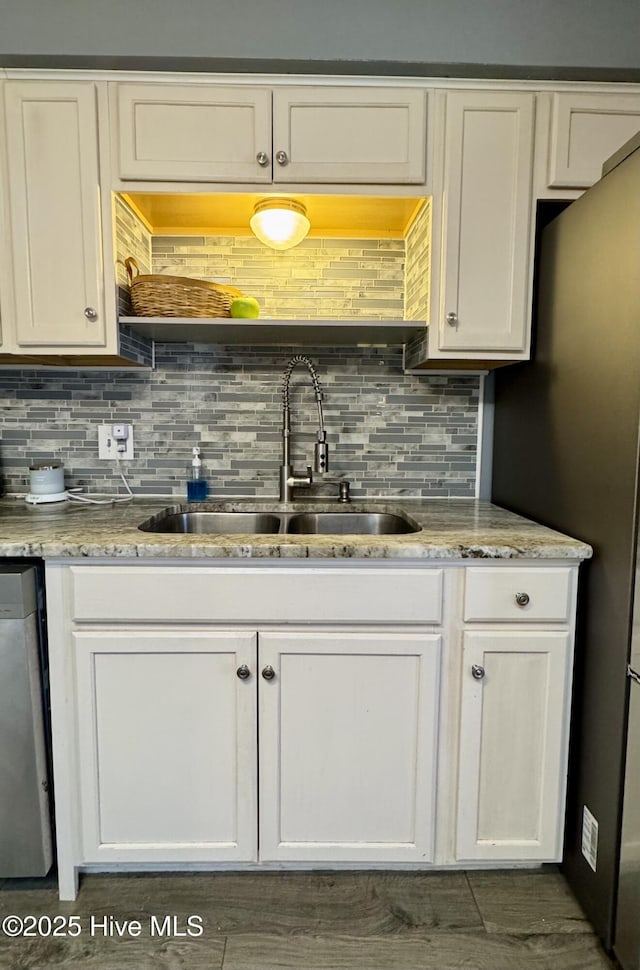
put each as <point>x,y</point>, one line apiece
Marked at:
<point>350,523</point>
<point>213,523</point>
<point>204,522</point>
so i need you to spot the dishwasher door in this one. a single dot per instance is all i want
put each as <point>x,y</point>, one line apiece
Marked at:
<point>25,826</point>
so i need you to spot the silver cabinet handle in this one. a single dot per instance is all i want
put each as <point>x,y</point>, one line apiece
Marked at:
<point>243,672</point>
<point>90,313</point>
<point>477,672</point>
<point>522,599</point>
<point>282,158</point>
<point>452,319</point>
<point>262,159</point>
<point>268,672</point>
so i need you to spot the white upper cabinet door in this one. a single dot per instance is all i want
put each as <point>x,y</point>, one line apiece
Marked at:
<point>192,132</point>
<point>348,726</point>
<point>167,735</point>
<point>513,745</point>
<point>585,130</point>
<point>6,310</point>
<point>349,135</point>
<point>484,304</point>
<point>54,204</point>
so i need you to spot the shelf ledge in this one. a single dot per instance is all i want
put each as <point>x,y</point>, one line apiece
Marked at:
<point>266,332</point>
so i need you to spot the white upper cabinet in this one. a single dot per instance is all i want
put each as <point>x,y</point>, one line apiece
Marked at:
<point>349,135</point>
<point>314,134</point>
<point>585,130</point>
<point>188,132</point>
<point>6,310</point>
<point>54,207</point>
<point>482,305</point>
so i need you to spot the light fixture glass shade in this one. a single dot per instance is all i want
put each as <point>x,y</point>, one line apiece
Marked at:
<point>280,223</point>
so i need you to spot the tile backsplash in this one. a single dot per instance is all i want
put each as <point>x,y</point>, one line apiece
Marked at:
<point>390,433</point>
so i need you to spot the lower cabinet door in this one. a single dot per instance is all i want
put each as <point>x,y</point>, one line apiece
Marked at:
<point>166,733</point>
<point>513,745</point>
<point>347,725</point>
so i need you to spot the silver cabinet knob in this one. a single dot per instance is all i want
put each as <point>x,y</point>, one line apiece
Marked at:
<point>262,159</point>
<point>243,672</point>
<point>452,319</point>
<point>90,313</point>
<point>477,671</point>
<point>268,672</point>
<point>522,599</point>
<point>282,158</point>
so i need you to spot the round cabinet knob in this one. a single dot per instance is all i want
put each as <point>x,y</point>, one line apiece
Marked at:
<point>477,671</point>
<point>262,159</point>
<point>243,672</point>
<point>268,672</point>
<point>90,313</point>
<point>452,319</point>
<point>282,158</point>
<point>522,599</point>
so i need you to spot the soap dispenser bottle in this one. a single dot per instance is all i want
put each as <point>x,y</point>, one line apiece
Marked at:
<point>197,487</point>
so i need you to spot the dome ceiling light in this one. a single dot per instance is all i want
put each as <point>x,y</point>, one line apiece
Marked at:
<point>280,223</point>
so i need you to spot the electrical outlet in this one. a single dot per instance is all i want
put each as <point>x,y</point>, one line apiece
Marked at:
<point>115,441</point>
<point>589,837</point>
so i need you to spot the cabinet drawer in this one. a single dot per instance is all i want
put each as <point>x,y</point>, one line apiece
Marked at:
<point>528,595</point>
<point>253,595</point>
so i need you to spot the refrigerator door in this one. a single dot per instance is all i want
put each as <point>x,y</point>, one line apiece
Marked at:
<point>627,936</point>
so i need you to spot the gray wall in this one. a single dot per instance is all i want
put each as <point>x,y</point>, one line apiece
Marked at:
<point>536,38</point>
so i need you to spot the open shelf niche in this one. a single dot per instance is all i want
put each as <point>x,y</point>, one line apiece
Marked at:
<point>361,277</point>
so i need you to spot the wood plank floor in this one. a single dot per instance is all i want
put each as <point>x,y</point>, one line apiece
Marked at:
<point>511,920</point>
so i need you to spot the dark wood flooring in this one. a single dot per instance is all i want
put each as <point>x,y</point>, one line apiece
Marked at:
<point>511,920</point>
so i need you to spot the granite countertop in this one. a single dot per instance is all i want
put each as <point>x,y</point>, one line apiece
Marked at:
<point>450,529</point>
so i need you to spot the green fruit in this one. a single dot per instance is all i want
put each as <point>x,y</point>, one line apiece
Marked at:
<point>245,307</point>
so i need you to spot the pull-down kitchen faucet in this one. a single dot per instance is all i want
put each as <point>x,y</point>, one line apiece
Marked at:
<point>288,479</point>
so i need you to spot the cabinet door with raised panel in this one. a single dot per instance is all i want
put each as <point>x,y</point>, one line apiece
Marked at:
<point>348,724</point>
<point>349,135</point>
<point>585,130</point>
<point>193,132</point>
<point>167,735</point>
<point>513,745</point>
<point>484,303</point>
<point>54,207</point>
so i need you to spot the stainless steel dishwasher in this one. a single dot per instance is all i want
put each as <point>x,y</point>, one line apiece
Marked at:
<point>25,824</point>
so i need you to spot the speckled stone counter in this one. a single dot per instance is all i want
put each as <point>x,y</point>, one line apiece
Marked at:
<point>450,529</point>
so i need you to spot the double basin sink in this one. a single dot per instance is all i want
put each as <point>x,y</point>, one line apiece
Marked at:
<point>205,522</point>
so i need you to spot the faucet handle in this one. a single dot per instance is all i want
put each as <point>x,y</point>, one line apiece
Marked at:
<point>322,457</point>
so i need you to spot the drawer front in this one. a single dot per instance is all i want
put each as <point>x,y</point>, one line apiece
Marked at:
<point>520,595</point>
<point>111,594</point>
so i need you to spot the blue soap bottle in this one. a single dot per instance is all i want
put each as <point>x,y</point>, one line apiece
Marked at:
<point>197,487</point>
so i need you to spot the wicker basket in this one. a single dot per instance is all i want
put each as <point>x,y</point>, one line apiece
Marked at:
<point>177,296</point>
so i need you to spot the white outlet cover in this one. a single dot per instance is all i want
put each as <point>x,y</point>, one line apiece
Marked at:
<point>108,446</point>
<point>589,837</point>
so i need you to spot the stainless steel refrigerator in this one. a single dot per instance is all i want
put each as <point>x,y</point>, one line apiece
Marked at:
<point>566,452</point>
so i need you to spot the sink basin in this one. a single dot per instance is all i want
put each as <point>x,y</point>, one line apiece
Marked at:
<point>340,523</point>
<point>213,523</point>
<point>350,523</point>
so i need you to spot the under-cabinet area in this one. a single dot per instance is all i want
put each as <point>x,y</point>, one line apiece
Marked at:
<point>353,713</point>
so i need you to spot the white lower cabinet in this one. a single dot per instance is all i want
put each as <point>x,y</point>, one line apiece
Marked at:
<point>167,753</point>
<point>513,738</point>
<point>210,724</point>
<point>348,728</point>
